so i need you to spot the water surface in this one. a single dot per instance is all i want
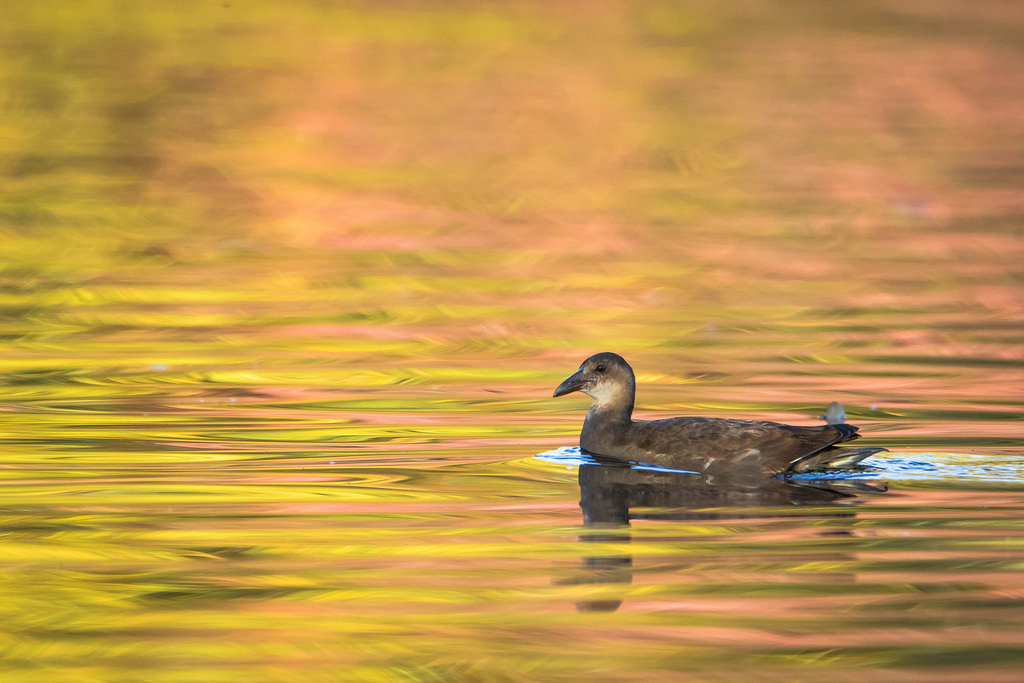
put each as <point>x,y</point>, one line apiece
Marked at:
<point>285,291</point>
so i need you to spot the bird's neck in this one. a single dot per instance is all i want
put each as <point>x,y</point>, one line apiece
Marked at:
<point>608,419</point>
<point>605,426</point>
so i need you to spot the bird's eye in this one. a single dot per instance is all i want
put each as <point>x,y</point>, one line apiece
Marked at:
<point>600,368</point>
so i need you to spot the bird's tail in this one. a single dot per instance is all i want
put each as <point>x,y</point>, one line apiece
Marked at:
<point>835,457</point>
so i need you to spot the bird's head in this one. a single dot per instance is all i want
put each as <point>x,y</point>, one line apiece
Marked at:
<point>605,377</point>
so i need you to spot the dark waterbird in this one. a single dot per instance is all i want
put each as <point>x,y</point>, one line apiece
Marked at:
<point>716,447</point>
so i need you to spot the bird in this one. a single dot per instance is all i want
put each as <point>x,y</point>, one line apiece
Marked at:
<point>717,448</point>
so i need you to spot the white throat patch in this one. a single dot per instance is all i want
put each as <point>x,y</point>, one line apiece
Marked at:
<point>605,393</point>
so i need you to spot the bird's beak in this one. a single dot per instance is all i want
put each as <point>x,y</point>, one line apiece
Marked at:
<point>573,383</point>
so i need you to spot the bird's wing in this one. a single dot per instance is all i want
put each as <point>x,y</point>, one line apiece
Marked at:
<point>774,446</point>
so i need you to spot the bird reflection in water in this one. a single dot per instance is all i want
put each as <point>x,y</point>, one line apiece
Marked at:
<point>613,493</point>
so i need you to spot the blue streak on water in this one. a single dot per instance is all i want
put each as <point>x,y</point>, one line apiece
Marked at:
<point>934,467</point>
<point>943,467</point>
<point>572,456</point>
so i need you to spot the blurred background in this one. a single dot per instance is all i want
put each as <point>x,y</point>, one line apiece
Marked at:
<point>516,185</point>
<point>243,237</point>
<point>740,191</point>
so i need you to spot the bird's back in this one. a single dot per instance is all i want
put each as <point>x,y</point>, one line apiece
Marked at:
<point>702,443</point>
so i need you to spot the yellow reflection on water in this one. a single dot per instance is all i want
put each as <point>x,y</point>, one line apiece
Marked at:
<point>285,290</point>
